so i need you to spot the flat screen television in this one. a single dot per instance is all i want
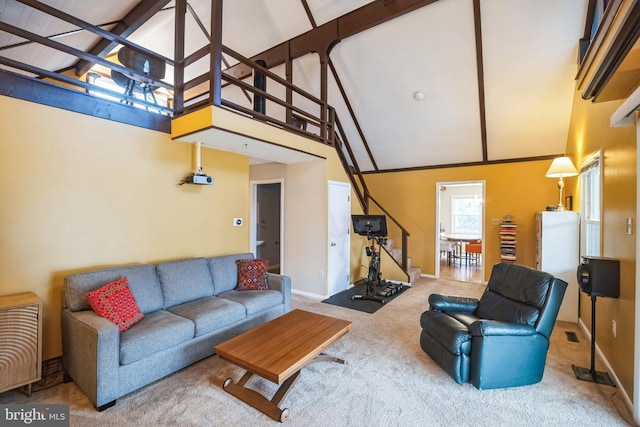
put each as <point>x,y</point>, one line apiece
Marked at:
<point>370,225</point>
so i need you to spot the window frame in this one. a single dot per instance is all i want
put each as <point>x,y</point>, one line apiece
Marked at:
<point>461,197</point>
<point>591,206</point>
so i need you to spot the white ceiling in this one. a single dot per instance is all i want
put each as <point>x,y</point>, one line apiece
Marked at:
<point>530,50</point>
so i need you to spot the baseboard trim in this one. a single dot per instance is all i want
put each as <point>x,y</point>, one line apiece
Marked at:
<point>309,295</point>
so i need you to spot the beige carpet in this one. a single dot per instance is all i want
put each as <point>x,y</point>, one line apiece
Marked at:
<point>387,381</point>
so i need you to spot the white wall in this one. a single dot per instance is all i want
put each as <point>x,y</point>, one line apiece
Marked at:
<point>305,221</point>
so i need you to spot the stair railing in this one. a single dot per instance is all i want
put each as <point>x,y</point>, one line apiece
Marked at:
<point>404,232</point>
<point>359,184</point>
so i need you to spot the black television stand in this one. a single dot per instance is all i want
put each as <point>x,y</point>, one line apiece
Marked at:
<point>591,374</point>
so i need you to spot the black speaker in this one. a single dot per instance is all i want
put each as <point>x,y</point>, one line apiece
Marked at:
<point>599,276</point>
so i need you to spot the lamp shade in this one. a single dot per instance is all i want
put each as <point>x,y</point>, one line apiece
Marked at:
<point>561,167</point>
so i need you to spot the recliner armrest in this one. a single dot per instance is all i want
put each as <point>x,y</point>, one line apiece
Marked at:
<point>452,303</point>
<point>484,328</point>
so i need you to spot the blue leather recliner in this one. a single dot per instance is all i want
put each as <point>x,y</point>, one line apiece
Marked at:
<point>500,340</point>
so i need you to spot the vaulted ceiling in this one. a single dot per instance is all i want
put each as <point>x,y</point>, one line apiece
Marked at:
<point>451,82</point>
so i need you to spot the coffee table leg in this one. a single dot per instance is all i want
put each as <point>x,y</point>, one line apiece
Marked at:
<point>261,403</point>
<point>322,357</point>
<point>284,389</point>
<point>258,401</point>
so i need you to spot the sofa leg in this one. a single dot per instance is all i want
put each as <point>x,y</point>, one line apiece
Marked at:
<point>106,406</point>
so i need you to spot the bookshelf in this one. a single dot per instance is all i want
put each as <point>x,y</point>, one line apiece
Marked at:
<point>508,229</point>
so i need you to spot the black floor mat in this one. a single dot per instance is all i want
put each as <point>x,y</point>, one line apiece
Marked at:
<point>343,299</point>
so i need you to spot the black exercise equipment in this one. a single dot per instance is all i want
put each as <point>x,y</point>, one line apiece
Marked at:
<point>375,228</point>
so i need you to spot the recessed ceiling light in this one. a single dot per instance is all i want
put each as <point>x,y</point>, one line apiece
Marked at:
<point>418,96</point>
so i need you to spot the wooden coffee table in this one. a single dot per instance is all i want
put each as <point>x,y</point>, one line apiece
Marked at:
<point>277,351</point>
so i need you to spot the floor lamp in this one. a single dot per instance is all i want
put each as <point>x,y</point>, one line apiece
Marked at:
<point>561,167</point>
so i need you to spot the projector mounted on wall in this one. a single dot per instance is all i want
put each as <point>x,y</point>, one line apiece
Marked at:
<point>198,177</point>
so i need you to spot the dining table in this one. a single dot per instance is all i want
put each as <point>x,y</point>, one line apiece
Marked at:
<point>463,239</point>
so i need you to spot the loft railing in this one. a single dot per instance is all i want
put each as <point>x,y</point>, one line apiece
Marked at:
<point>69,80</point>
<point>312,121</point>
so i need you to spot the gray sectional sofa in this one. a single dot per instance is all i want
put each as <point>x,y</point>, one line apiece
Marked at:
<point>189,305</point>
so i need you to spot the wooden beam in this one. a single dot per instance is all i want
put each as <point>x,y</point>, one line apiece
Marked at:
<point>131,22</point>
<point>92,28</point>
<point>215,55</point>
<point>79,53</point>
<point>25,88</point>
<point>352,113</point>
<point>307,9</point>
<point>585,41</point>
<point>462,165</point>
<point>178,54</point>
<point>627,36</point>
<point>324,37</point>
<point>480,69</point>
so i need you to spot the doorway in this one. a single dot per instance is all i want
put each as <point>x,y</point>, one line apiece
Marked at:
<point>338,276</point>
<point>267,219</point>
<point>460,213</point>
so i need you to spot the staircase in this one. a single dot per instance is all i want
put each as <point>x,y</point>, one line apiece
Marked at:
<point>396,253</point>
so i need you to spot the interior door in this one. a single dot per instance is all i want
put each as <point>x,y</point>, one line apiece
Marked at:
<point>338,277</point>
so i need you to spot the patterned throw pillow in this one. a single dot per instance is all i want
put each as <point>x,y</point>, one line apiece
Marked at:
<point>252,274</point>
<point>115,302</point>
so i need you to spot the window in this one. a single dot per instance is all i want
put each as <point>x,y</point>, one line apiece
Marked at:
<point>104,81</point>
<point>590,207</point>
<point>466,214</point>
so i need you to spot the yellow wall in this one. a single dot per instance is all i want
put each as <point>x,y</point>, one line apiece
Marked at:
<point>79,192</point>
<point>517,189</point>
<point>590,132</point>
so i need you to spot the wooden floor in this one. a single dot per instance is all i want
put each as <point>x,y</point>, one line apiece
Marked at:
<point>462,273</point>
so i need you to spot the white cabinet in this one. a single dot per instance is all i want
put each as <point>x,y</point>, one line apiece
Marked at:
<point>20,340</point>
<point>557,253</point>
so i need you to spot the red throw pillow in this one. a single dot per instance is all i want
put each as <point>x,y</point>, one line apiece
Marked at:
<point>115,302</point>
<point>252,274</point>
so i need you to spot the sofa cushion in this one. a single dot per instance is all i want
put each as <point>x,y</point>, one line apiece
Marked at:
<point>184,280</point>
<point>252,274</point>
<point>255,301</point>
<point>115,302</point>
<point>210,314</point>
<point>158,331</point>
<point>143,282</point>
<point>224,271</point>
